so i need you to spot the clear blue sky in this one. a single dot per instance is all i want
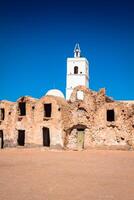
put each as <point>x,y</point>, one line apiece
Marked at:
<point>37,36</point>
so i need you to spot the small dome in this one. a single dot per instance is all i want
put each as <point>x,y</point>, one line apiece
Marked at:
<point>56,93</point>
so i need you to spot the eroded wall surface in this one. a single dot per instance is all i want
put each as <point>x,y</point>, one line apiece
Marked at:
<point>88,120</point>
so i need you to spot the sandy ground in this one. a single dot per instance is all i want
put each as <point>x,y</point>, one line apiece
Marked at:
<point>37,174</point>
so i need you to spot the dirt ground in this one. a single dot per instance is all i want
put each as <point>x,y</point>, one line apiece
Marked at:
<point>37,174</point>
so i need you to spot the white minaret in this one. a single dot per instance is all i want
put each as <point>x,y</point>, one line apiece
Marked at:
<point>77,71</point>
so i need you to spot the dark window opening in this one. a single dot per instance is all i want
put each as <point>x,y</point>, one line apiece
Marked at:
<point>80,129</point>
<point>1,139</point>
<point>33,107</point>
<point>46,137</point>
<point>22,108</point>
<point>21,137</point>
<point>77,54</point>
<point>2,114</point>
<point>110,115</point>
<point>82,109</point>
<point>47,110</point>
<point>75,70</point>
<point>122,138</point>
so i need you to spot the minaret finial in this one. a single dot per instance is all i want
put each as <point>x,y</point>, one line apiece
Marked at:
<point>77,51</point>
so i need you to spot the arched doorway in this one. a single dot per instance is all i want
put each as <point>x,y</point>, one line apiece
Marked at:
<point>75,137</point>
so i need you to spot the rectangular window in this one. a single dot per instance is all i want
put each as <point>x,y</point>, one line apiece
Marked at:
<point>22,108</point>
<point>2,113</point>
<point>47,109</point>
<point>110,115</point>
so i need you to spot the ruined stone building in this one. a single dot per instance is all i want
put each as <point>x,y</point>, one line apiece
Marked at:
<point>85,119</point>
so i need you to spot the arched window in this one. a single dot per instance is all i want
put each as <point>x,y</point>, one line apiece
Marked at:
<point>75,70</point>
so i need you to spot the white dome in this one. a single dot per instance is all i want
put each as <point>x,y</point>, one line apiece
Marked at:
<point>56,93</point>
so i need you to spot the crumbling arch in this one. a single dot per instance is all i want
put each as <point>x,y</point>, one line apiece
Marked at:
<point>74,138</point>
<point>76,126</point>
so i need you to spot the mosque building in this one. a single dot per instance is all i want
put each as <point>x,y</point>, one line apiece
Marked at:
<point>86,119</point>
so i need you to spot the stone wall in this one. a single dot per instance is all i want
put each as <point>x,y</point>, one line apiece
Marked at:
<point>91,112</point>
<point>81,121</point>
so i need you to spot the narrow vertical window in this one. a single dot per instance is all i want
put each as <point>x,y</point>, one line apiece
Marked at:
<point>75,70</point>
<point>2,113</point>
<point>47,109</point>
<point>22,108</point>
<point>110,115</point>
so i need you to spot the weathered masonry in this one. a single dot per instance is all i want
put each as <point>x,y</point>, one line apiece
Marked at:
<point>87,120</point>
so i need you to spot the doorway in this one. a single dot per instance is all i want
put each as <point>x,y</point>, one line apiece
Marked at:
<point>80,139</point>
<point>46,137</point>
<point>1,139</point>
<point>21,137</point>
